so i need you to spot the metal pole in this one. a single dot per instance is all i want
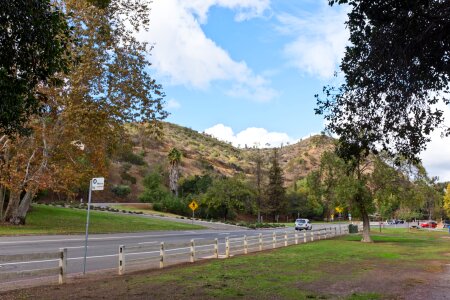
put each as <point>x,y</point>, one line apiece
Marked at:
<point>87,227</point>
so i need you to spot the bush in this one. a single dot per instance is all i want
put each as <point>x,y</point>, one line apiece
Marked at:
<point>121,190</point>
<point>127,177</point>
<point>132,158</point>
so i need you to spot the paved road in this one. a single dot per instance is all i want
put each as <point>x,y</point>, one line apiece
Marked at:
<point>103,248</point>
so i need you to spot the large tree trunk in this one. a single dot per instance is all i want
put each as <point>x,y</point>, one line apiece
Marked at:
<point>366,224</point>
<point>17,209</point>
<point>13,206</point>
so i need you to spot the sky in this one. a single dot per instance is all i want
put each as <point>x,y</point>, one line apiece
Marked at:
<point>246,71</point>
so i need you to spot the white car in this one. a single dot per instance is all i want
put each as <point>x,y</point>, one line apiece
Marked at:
<point>302,224</point>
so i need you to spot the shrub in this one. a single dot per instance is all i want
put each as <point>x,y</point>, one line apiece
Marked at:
<point>121,190</point>
<point>132,158</point>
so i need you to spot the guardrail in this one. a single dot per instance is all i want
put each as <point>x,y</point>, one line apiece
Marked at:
<point>151,256</point>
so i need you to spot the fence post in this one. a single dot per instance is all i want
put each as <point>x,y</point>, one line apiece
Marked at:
<point>245,245</point>
<point>312,236</point>
<point>285,239</point>
<point>192,251</point>
<point>296,238</point>
<point>274,240</point>
<point>161,256</point>
<point>326,233</point>
<point>121,259</point>
<point>260,242</point>
<point>319,235</point>
<point>304,237</point>
<point>216,248</point>
<point>227,247</point>
<point>62,265</point>
<point>335,231</point>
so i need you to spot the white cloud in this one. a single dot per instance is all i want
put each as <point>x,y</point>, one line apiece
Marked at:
<point>173,104</point>
<point>246,9</point>
<point>186,56</point>
<point>320,40</point>
<point>436,158</point>
<point>252,136</point>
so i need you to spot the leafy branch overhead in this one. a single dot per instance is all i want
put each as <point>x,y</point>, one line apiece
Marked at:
<point>396,70</point>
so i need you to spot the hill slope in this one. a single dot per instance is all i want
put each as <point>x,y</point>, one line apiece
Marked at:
<point>203,153</point>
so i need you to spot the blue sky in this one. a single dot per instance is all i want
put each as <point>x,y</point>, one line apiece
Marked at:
<point>246,71</point>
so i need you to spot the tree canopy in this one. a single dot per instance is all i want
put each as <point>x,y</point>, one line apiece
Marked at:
<point>396,71</point>
<point>32,50</point>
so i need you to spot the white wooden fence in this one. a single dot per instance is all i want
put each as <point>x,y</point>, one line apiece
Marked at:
<point>60,268</point>
<point>134,257</point>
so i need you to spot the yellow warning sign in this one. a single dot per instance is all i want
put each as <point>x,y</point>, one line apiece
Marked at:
<point>193,205</point>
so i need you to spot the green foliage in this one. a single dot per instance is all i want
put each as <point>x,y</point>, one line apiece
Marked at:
<point>154,191</point>
<point>447,201</point>
<point>173,205</point>
<point>132,158</point>
<point>32,50</point>
<point>395,74</point>
<point>121,190</point>
<point>195,185</point>
<point>226,196</point>
<point>275,202</point>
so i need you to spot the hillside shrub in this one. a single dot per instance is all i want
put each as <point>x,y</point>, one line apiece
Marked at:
<point>130,157</point>
<point>121,190</point>
<point>127,177</point>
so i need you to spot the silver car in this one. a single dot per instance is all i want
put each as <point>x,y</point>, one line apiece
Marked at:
<point>302,224</point>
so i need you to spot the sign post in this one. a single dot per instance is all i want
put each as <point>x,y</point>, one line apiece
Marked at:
<point>193,205</point>
<point>95,184</point>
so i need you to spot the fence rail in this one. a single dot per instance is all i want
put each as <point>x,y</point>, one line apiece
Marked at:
<point>154,255</point>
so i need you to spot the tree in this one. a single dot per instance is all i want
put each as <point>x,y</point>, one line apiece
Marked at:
<point>174,157</point>
<point>227,195</point>
<point>258,174</point>
<point>276,202</point>
<point>447,200</point>
<point>195,185</point>
<point>396,70</point>
<point>154,190</point>
<point>32,50</point>
<point>107,87</point>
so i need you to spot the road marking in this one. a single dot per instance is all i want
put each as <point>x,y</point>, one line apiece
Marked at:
<point>224,233</point>
<point>143,243</point>
<point>98,239</point>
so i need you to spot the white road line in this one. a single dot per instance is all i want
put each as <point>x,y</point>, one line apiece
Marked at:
<point>143,243</point>
<point>224,233</point>
<point>92,239</point>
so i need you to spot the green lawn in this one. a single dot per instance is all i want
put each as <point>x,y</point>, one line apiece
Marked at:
<point>44,219</point>
<point>398,265</point>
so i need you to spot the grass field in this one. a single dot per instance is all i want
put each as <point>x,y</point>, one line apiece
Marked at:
<point>398,265</point>
<point>44,219</point>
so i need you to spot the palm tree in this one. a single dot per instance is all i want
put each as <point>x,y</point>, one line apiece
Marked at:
<point>174,158</point>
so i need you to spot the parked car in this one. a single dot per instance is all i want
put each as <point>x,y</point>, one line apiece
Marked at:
<point>428,224</point>
<point>302,224</point>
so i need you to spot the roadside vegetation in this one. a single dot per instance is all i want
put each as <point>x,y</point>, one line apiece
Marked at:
<point>399,264</point>
<point>43,219</point>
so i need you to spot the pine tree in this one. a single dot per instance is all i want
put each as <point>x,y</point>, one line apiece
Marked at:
<point>276,202</point>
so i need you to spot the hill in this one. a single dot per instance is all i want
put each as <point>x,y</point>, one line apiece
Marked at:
<point>203,153</point>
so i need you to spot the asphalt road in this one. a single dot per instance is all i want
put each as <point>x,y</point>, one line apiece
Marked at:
<point>103,248</point>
